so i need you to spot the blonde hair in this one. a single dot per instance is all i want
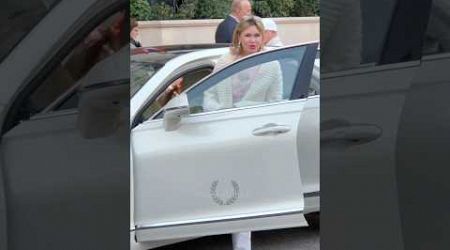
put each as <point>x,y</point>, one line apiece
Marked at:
<point>249,21</point>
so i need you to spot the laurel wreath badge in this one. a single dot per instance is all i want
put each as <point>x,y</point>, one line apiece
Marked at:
<point>229,200</point>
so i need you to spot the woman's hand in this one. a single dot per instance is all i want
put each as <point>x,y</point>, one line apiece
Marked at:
<point>175,88</point>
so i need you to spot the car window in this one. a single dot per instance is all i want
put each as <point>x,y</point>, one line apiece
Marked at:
<point>144,66</point>
<point>265,78</point>
<point>145,62</point>
<point>140,73</point>
<point>18,18</point>
<point>103,41</point>
<point>59,85</point>
<point>437,36</point>
<point>189,79</point>
<point>351,36</point>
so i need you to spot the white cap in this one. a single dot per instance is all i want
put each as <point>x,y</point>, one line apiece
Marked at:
<point>269,24</point>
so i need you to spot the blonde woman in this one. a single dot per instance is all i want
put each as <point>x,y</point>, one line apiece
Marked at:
<point>252,86</point>
<point>255,85</point>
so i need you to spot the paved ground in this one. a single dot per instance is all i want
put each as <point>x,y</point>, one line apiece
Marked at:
<point>286,239</point>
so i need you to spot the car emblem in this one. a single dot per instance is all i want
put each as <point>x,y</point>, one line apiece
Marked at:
<point>220,200</point>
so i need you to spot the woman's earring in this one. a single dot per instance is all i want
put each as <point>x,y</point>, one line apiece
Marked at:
<point>239,44</point>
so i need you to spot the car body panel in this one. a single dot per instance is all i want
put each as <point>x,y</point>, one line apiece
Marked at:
<point>220,193</point>
<point>308,151</point>
<point>422,156</point>
<point>352,124</point>
<point>53,193</point>
<point>224,167</point>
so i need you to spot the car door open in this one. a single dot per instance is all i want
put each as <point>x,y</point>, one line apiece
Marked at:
<point>226,170</point>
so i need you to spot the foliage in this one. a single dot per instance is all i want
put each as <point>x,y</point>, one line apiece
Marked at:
<point>140,9</point>
<point>186,9</point>
<point>306,8</point>
<point>160,11</point>
<point>211,9</point>
<point>274,8</point>
<point>262,9</point>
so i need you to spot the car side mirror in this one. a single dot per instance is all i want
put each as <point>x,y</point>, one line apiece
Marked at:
<point>175,109</point>
<point>103,109</point>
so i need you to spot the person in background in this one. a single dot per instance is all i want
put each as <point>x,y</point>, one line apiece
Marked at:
<point>239,9</point>
<point>134,33</point>
<point>271,37</point>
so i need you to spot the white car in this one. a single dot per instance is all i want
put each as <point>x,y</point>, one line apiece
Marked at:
<point>245,168</point>
<point>64,148</point>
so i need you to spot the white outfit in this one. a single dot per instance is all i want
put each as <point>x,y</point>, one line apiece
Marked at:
<point>262,84</point>
<point>242,241</point>
<point>270,25</point>
<point>266,87</point>
<point>275,42</point>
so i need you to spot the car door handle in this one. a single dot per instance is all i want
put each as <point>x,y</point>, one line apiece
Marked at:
<point>271,129</point>
<point>343,131</point>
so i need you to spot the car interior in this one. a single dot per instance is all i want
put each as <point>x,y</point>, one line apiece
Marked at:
<point>189,79</point>
<point>102,41</point>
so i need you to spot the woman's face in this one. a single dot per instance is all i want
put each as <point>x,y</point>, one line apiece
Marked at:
<point>251,40</point>
<point>134,33</point>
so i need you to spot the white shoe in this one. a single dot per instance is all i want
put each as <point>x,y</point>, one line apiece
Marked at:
<point>242,241</point>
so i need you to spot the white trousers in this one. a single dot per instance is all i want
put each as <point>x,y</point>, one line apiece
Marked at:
<point>242,241</point>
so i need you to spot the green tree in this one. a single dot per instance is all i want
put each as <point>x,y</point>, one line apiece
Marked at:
<point>306,8</point>
<point>140,9</point>
<point>212,9</point>
<point>280,8</point>
<point>186,10</point>
<point>204,9</point>
<point>160,11</point>
<point>262,8</point>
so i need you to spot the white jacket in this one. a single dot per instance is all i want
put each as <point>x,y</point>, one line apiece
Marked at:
<point>265,85</point>
<point>275,42</point>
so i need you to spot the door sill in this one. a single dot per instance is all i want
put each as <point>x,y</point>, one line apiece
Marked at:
<point>220,226</point>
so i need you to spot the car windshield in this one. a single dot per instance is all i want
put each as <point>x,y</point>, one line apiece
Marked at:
<point>18,18</point>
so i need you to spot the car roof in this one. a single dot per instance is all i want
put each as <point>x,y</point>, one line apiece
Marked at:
<point>177,48</point>
<point>162,54</point>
